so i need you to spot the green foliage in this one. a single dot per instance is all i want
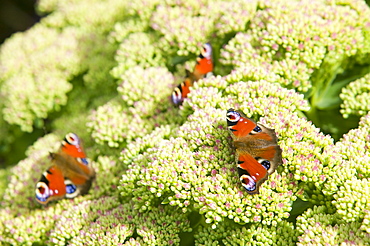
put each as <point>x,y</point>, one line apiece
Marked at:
<point>165,175</point>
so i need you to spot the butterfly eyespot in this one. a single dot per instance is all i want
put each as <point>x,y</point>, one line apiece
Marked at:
<point>42,192</point>
<point>257,129</point>
<point>248,183</point>
<point>233,116</point>
<point>42,188</point>
<point>71,189</point>
<point>266,164</point>
<point>207,50</point>
<point>72,138</point>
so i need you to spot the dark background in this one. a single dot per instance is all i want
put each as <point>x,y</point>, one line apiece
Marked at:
<point>16,16</point>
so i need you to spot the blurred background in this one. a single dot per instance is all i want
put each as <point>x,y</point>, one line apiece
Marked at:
<point>16,16</point>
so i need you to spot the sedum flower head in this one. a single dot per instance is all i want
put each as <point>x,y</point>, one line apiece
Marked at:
<point>144,105</point>
<point>356,97</point>
<point>72,221</point>
<point>35,80</point>
<point>188,30</point>
<point>108,222</point>
<point>26,229</point>
<point>187,24</point>
<point>318,227</point>
<point>146,90</point>
<point>137,49</point>
<point>38,65</point>
<point>281,234</point>
<point>107,176</point>
<point>348,158</point>
<point>132,24</point>
<point>111,122</point>
<point>116,125</point>
<point>324,35</point>
<point>231,16</point>
<point>140,145</point>
<point>352,201</point>
<point>98,17</point>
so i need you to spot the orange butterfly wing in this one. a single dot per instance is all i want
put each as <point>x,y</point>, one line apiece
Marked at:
<point>51,186</point>
<point>251,172</point>
<point>203,66</point>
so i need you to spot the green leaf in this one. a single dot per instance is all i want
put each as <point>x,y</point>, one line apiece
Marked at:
<point>333,123</point>
<point>179,60</point>
<point>330,98</point>
<point>299,206</point>
<point>165,201</point>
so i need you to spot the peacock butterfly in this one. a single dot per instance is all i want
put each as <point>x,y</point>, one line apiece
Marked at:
<point>203,67</point>
<point>70,175</point>
<point>258,153</point>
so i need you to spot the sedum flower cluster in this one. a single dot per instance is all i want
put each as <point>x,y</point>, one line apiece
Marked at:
<point>356,97</point>
<point>167,175</point>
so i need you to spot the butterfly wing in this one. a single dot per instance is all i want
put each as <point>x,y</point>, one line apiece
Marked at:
<point>181,91</point>
<point>204,62</point>
<point>72,160</point>
<point>239,125</point>
<point>251,172</point>
<point>51,186</point>
<point>74,154</point>
<point>71,145</point>
<point>257,149</point>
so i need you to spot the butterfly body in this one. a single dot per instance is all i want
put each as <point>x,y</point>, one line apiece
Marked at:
<point>203,67</point>
<point>70,175</point>
<point>257,150</point>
